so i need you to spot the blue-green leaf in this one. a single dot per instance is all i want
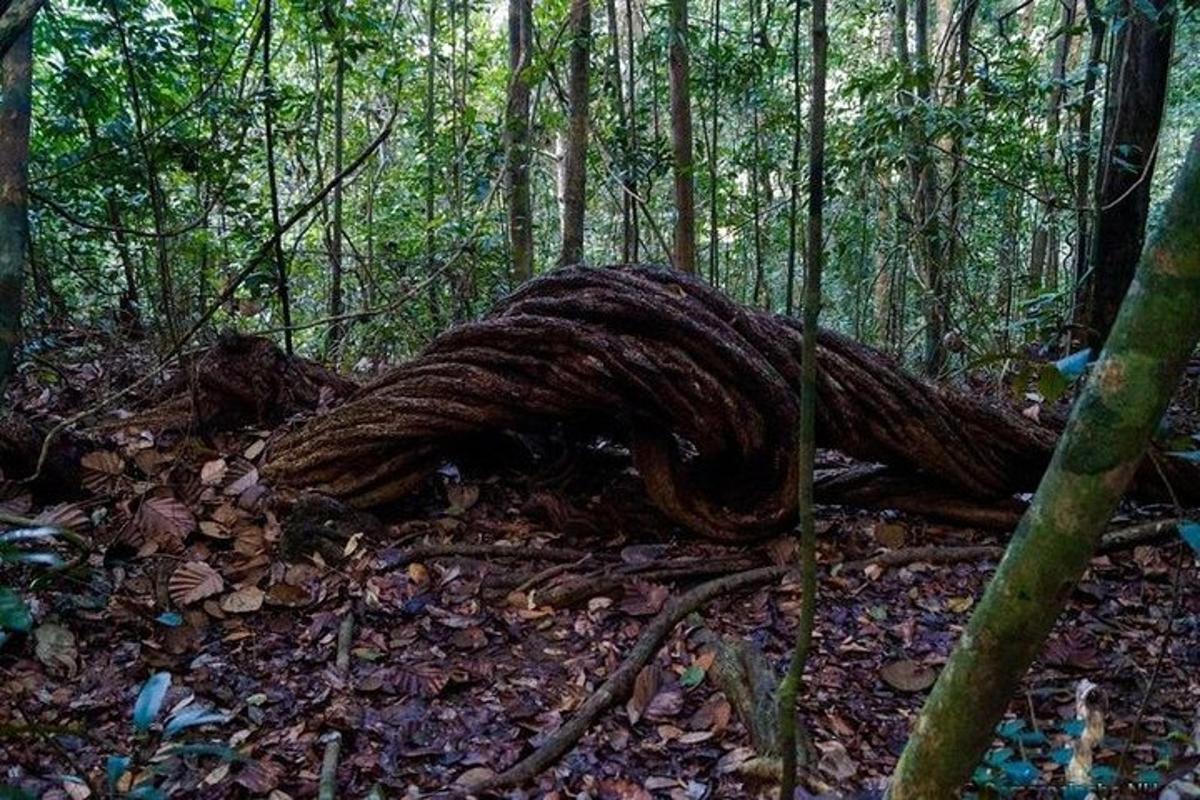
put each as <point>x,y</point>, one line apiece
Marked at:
<point>1072,366</point>
<point>172,619</point>
<point>1150,779</point>
<point>14,614</point>
<point>997,758</point>
<point>149,701</point>
<point>1073,727</point>
<point>1009,729</point>
<point>114,768</point>
<point>1022,773</point>
<point>692,676</point>
<point>1076,791</point>
<point>146,792</point>
<point>191,717</point>
<point>214,749</point>
<point>1103,775</point>
<point>1061,755</point>
<point>1187,455</point>
<point>1189,531</point>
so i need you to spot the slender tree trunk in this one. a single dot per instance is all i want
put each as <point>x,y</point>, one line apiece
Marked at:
<point>430,146</point>
<point>1104,441</point>
<point>756,151</point>
<point>627,203</point>
<point>575,161</point>
<point>153,187</point>
<point>1043,234</point>
<point>794,242</point>
<point>520,212</point>
<point>789,688</point>
<point>714,154</point>
<point>631,163</point>
<point>129,300</point>
<point>1137,88</point>
<point>1083,145</point>
<point>923,181</point>
<point>681,137</point>
<point>336,24</point>
<point>16,90</point>
<point>285,303</point>
<point>962,63</point>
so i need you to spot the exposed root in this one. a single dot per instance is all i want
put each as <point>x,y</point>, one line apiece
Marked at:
<point>704,391</point>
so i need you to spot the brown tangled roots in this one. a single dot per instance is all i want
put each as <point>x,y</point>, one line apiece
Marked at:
<point>705,391</point>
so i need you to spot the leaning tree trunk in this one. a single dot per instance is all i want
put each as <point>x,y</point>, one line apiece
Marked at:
<point>1137,89</point>
<point>1104,442</point>
<point>15,92</point>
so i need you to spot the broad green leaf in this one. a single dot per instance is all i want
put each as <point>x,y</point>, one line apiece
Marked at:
<point>149,701</point>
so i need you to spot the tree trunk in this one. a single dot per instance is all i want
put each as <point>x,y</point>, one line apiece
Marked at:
<point>153,187</point>
<point>16,89</point>
<point>684,253</point>
<point>923,181</point>
<point>627,190</point>
<point>789,688</point>
<point>337,303</point>
<point>632,164</point>
<point>714,155</point>
<point>1083,145</point>
<point>1041,257</point>
<point>1105,439</point>
<point>429,144</point>
<point>575,161</point>
<point>516,128</point>
<point>285,304</point>
<point>1137,86</point>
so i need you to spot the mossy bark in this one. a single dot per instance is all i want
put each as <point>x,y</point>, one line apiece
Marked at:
<point>1126,394</point>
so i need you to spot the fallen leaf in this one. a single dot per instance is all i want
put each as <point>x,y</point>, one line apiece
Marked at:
<point>193,581</point>
<point>54,646</point>
<point>645,687</point>
<point>836,762</point>
<point>243,601</point>
<point>644,599</point>
<point>101,468</point>
<point>666,704</point>
<point>908,676</point>
<point>213,472</point>
<point>165,517</point>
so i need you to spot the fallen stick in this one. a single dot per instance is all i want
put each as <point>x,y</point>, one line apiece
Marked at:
<point>563,554</point>
<point>618,685</point>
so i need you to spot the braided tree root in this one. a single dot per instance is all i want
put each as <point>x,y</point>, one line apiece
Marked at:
<point>240,380</point>
<point>705,391</point>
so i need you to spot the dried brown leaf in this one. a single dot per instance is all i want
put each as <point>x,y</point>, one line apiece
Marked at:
<point>645,687</point>
<point>193,581</point>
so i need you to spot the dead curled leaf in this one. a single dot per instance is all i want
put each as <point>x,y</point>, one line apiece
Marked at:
<point>163,516</point>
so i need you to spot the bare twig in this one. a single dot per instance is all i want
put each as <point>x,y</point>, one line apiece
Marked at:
<point>618,685</point>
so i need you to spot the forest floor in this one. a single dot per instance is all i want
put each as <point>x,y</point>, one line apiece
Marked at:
<point>454,665</point>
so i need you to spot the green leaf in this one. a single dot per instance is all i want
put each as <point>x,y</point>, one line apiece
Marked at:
<point>692,676</point>
<point>149,701</point>
<point>998,757</point>
<point>1061,755</point>
<point>1052,384</point>
<point>14,614</point>
<point>171,619</point>
<point>1103,775</point>
<point>1073,727</point>
<point>1150,779</point>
